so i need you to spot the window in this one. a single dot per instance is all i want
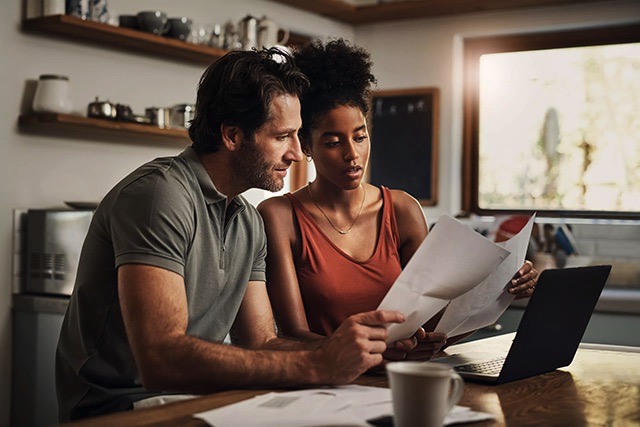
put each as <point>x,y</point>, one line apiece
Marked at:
<point>552,123</point>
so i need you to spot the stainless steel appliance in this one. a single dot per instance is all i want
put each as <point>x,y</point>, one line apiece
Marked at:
<point>54,238</point>
<point>37,320</point>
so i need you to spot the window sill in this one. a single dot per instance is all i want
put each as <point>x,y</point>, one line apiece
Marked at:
<point>621,301</point>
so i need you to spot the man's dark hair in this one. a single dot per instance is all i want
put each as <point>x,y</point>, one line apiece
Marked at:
<point>237,90</point>
<point>339,73</point>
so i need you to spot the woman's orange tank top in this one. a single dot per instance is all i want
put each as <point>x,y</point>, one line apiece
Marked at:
<point>333,284</point>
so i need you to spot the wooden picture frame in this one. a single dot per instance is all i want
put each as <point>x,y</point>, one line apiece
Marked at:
<point>404,141</point>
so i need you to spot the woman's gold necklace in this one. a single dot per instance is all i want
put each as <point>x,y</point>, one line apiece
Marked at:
<point>364,196</point>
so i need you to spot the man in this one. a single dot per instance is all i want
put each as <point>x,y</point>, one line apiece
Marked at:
<point>175,260</point>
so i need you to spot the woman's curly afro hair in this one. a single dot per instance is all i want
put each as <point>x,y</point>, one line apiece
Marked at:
<point>339,74</point>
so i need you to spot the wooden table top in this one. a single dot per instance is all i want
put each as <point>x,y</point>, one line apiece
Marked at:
<point>601,387</point>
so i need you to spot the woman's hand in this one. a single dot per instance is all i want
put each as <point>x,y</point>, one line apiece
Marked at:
<point>399,349</point>
<point>524,281</point>
<point>421,346</point>
<point>428,346</point>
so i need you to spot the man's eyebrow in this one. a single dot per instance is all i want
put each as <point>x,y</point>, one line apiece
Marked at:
<point>288,130</point>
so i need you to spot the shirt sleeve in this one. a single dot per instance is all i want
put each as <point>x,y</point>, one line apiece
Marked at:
<point>152,223</point>
<point>259,267</point>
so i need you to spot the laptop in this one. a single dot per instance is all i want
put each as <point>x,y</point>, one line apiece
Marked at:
<point>549,333</point>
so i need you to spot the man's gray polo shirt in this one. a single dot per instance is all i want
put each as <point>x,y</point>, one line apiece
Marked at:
<point>167,214</point>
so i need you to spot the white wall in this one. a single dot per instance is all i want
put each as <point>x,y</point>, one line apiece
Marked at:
<point>423,52</point>
<point>43,171</point>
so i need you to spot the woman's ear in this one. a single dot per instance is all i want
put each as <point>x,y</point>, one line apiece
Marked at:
<point>306,148</point>
<point>231,136</point>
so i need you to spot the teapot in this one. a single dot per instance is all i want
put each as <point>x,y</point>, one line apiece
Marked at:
<point>268,32</point>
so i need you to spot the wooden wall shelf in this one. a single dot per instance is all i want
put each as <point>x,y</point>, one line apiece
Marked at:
<point>414,9</point>
<point>128,39</point>
<point>69,122</point>
<point>122,38</point>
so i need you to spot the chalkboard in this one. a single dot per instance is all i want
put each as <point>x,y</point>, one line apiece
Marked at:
<point>404,142</point>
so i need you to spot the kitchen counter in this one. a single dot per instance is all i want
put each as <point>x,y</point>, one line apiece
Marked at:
<point>612,300</point>
<point>590,391</point>
<point>40,303</point>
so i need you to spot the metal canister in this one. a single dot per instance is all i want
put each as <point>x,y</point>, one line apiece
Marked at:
<point>248,32</point>
<point>182,114</point>
<point>160,117</point>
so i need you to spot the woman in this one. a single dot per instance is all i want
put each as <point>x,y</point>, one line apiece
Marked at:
<point>337,245</point>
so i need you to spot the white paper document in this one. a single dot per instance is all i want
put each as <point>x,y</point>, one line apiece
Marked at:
<point>450,261</point>
<point>350,405</point>
<point>485,303</point>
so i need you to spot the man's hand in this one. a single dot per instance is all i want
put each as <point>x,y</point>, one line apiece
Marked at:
<point>355,346</point>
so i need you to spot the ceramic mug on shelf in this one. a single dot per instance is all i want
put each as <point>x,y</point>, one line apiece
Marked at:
<point>152,22</point>
<point>179,28</point>
<point>269,32</point>
<point>128,21</point>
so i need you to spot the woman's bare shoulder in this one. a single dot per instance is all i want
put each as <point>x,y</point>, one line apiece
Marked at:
<point>404,202</point>
<point>274,208</point>
<point>275,202</point>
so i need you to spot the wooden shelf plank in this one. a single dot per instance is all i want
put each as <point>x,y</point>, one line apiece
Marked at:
<point>123,38</point>
<point>414,9</point>
<point>68,122</point>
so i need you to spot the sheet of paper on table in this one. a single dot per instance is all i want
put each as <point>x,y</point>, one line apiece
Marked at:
<point>350,405</point>
<point>450,261</point>
<point>485,303</point>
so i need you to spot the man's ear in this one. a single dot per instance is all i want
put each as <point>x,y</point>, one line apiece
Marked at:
<point>231,136</point>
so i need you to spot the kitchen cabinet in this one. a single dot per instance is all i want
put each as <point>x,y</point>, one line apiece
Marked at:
<point>392,10</point>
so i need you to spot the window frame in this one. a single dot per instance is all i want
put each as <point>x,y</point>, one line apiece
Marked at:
<point>474,48</point>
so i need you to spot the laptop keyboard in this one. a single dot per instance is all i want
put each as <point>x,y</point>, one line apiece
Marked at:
<point>490,367</point>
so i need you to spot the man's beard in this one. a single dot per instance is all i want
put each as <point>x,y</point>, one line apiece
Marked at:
<point>251,167</point>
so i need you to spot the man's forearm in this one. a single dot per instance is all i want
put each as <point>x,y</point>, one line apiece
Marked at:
<point>313,342</point>
<point>189,364</point>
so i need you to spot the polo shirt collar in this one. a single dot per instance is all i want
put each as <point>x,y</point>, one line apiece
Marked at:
<point>211,194</point>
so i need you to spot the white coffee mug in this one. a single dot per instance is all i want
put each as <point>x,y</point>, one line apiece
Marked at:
<point>423,392</point>
<point>268,32</point>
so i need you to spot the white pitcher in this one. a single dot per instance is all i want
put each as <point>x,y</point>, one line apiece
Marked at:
<point>268,33</point>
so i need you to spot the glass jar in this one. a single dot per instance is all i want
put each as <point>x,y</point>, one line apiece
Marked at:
<point>52,94</point>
